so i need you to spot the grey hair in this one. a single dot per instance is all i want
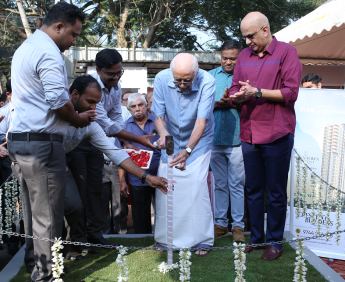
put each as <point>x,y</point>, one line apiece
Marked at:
<point>194,66</point>
<point>134,97</point>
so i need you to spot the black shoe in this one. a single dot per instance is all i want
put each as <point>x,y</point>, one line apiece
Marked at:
<point>73,256</point>
<point>87,250</point>
<point>101,241</point>
<point>29,268</point>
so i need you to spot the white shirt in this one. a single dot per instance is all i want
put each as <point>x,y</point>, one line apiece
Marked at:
<point>96,137</point>
<point>74,136</point>
<point>109,109</point>
<point>126,114</point>
<point>39,86</point>
<point>4,124</point>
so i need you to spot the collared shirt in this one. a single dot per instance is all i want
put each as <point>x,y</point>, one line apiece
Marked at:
<point>93,132</point>
<point>96,136</point>
<point>264,121</point>
<point>39,86</point>
<point>132,126</point>
<point>181,109</point>
<point>109,108</point>
<point>226,120</point>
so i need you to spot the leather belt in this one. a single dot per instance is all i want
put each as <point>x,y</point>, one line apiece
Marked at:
<point>34,137</point>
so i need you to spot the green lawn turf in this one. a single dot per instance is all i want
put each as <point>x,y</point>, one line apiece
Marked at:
<point>217,266</point>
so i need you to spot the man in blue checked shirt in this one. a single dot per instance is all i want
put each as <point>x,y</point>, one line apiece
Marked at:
<point>226,159</point>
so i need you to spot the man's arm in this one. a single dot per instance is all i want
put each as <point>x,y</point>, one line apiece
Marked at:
<point>162,131</point>
<point>123,184</point>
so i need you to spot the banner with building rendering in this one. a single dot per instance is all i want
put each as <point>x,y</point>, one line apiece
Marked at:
<point>320,141</point>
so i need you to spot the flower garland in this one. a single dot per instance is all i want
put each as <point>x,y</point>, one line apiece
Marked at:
<point>319,209</point>
<point>338,217</point>
<point>57,259</point>
<point>240,260</point>
<point>298,185</point>
<point>14,196</point>
<point>328,213</point>
<point>165,268</point>
<point>313,198</point>
<point>304,190</point>
<point>121,260</point>
<point>300,268</point>
<point>185,264</point>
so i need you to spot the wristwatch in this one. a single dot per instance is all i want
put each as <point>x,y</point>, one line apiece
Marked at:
<point>189,150</point>
<point>258,93</point>
<point>144,177</point>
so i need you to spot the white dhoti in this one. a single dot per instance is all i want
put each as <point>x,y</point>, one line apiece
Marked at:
<point>192,214</point>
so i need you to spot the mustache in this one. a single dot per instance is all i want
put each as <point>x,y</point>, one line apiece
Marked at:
<point>138,113</point>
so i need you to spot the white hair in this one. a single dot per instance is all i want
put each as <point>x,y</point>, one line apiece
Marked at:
<point>134,97</point>
<point>194,66</point>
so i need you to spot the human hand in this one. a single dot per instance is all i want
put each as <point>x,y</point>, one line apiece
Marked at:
<point>1,118</point>
<point>247,88</point>
<point>145,140</point>
<point>124,189</point>
<point>161,142</point>
<point>85,118</point>
<point>128,145</point>
<point>181,159</point>
<point>3,151</point>
<point>157,182</point>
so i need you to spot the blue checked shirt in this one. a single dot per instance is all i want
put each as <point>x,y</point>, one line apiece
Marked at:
<point>181,109</point>
<point>227,121</point>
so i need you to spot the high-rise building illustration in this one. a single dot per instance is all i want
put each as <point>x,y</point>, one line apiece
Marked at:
<point>333,156</point>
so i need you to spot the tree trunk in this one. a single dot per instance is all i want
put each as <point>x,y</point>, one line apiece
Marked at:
<point>24,18</point>
<point>159,17</point>
<point>120,30</point>
<point>22,36</point>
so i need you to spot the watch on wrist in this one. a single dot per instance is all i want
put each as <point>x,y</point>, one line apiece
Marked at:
<point>258,93</point>
<point>143,178</point>
<point>189,150</point>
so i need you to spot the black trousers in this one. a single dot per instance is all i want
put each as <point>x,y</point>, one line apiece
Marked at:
<point>86,163</point>
<point>141,208</point>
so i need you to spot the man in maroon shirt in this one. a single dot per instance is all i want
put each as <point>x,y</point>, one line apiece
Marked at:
<point>265,83</point>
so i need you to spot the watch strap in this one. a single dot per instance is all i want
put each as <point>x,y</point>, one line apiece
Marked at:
<point>143,178</point>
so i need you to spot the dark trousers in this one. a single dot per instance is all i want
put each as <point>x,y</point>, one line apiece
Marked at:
<point>86,164</point>
<point>40,166</point>
<point>267,165</point>
<point>141,208</point>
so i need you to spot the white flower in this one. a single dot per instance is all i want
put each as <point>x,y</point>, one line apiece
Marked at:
<point>57,267</point>
<point>121,260</point>
<point>240,259</point>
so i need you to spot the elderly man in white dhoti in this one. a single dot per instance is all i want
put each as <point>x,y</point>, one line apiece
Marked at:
<point>183,101</point>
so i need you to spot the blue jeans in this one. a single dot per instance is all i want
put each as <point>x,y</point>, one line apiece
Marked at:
<point>228,170</point>
<point>267,165</point>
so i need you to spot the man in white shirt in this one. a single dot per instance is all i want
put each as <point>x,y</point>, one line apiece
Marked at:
<point>88,176</point>
<point>42,114</point>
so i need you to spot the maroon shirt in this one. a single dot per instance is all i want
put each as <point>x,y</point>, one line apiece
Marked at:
<point>263,121</point>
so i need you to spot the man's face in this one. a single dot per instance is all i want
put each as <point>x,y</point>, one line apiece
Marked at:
<point>228,60</point>
<point>124,101</point>
<point>149,102</point>
<point>255,37</point>
<point>138,109</point>
<point>110,76</point>
<point>183,80</point>
<point>88,100</point>
<point>67,35</point>
<point>309,84</point>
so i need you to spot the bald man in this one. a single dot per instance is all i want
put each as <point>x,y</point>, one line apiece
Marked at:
<point>265,84</point>
<point>183,104</point>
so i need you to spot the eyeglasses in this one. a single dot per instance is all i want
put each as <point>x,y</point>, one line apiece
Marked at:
<point>188,82</point>
<point>112,75</point>
<point>250,36</point>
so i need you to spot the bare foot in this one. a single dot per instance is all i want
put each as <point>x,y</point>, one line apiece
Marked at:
<point>201,253</point>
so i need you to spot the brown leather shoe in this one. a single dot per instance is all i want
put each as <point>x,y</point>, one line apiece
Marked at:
<point>249,248</point>
<point>220,231</point>
<point>272,253</point>
<point>237,234</point>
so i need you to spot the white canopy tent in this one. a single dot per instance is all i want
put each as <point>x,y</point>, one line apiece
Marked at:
<point>319,37</point>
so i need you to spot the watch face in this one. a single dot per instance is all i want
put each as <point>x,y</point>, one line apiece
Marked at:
<point>189,150</point>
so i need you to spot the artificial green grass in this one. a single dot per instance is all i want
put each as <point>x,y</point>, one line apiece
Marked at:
<point>217,266</point>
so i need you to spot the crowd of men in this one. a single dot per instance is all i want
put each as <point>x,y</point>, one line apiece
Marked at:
<point>237,119</point>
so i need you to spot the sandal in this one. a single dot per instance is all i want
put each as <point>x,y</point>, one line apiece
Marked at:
<point>201,250</point>
<point>73,256</point>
